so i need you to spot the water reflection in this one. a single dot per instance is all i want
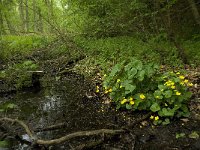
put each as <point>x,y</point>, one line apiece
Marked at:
<point>51,103</point>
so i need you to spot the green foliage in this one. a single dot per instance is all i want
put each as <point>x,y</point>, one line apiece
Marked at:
<point>113,50</point>
<point>4,144</point>
<point>12,46</point>
<point>194,135</point>
<point>108,51</point>
<point>192,51</point>
<point>137,86</point>
<point>104,18</point>
<point>7,106</point>
<point>19,75</point>
<point>180,135</point>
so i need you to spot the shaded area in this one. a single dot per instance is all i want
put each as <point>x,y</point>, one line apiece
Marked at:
<point>66,102</point>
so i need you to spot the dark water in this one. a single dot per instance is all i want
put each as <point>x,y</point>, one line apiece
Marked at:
<point>62,102</point>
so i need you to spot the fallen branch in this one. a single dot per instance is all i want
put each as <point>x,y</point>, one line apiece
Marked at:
<point>50,128</point>
<point>62,139</point>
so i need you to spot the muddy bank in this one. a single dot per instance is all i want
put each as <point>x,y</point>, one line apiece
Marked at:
<point>66,101</point>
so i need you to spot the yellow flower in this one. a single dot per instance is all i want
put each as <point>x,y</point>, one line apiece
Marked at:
<point>156,118</point>
<point>118,80</point>
<point>132,102</point>
<point>185,81</point>
<point>190,84</point>
<point>120,86</point>
<point>151,117</point>
<point>178,73</point>
<point>181,83</point>
<point>169,83</point>
<point>181,77</point>
<point>173,87</point>
<point>97,87</point>
<point>130,98</point>
<point>106,92</point>
<point>110,90</point>
<point>178,93</point>
<point>142,96</point>
<point>172,83</point>
<point>97,90</point>
<point>105,75</point>
<point>123,101</point>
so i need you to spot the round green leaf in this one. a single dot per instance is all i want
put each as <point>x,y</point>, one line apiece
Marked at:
<point>168,93</point>
<point>155,107</point>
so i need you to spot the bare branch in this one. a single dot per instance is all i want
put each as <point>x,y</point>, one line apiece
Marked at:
<point>62,139</point>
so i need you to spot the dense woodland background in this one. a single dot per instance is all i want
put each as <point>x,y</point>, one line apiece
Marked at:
<point>176,23</point>
<point>101,18</point>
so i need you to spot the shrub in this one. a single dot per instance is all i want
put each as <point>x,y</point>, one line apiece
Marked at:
<point>136,86</point>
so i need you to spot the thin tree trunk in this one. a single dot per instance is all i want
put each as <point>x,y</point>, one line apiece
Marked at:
<point>27,16</point>
<point>21,11</point>
<point>34,16</point>
<point>172,37</point>
<point>1,21</point>
<point>52,12</point>
<point>9,24</point>
<point>194,11</point>
<point>40,21</point>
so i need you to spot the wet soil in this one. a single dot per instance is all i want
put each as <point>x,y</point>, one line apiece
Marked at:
<point>66,101</point>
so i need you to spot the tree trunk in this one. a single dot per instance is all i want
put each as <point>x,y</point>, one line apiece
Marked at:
<point>1,21</point>
<point>34,16</point>
<point>194,11</point>
<point>9,24</point>
<point>40,21</point>
<point>52,12</point>
<point>27,16</point>
<point>21,11</point>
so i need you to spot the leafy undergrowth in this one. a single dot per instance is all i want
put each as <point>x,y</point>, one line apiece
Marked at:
<point>102,54</point>
<point>181,133</point>
<point>21,55</point>
<point>16,46</point>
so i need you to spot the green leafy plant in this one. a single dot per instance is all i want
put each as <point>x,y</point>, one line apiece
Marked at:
<point>7,106</point>
<point>136,86</point>
<point>19,75</point>
<point>194,135</point>
<point>180,135</point>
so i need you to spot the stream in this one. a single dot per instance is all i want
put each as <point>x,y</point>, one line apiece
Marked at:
<point>65,101</point>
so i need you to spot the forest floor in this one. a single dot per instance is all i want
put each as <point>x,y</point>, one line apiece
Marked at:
<point>99,113</point>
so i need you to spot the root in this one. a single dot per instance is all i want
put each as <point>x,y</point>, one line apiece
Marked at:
<point>62,139</point>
